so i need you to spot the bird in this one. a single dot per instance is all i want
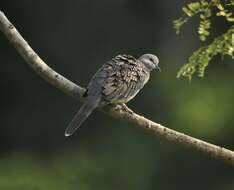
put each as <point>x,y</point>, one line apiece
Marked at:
<point>116,82</point>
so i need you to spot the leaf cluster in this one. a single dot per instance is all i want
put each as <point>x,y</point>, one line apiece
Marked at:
<point>222,44</point>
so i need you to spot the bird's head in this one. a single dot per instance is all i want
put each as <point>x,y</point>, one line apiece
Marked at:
<point>150,61</point>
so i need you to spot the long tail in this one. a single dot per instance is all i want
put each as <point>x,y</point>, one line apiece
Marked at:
<point>85,110</point>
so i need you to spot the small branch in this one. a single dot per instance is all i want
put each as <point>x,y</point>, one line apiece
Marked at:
<point>123,113</point>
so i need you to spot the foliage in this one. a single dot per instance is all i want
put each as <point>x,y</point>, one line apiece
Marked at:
<point>222,45</point>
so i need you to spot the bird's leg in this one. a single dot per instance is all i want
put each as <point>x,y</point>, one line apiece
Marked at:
<point>123,107</point>
<point>126,109</point>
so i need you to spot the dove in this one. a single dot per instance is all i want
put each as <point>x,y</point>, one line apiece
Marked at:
<point>117,82</point>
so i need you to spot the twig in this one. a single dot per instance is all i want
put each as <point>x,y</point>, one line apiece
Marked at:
<point>123,113</point>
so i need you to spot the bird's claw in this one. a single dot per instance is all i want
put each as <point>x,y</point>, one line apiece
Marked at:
<point>124,108</point>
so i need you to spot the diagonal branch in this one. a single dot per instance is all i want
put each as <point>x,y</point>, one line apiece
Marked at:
<point>118,112</point>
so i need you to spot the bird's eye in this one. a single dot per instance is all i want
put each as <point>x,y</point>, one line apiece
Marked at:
<point>151,59</point>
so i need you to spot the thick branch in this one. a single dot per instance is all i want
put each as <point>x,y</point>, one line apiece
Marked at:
<point>123,113</point>
<point>36,62</point>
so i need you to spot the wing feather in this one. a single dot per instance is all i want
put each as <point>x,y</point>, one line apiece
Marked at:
<point>119,79</point>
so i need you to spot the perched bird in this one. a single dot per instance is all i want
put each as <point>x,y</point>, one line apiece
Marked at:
<point>116,82</point>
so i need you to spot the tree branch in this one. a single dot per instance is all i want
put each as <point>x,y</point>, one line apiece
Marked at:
<point>119,112</point>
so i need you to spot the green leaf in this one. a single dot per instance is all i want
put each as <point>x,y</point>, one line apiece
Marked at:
<point>222,45</point>
<point>178,24</point>
<point>200,59</point>
<point>187,11</point>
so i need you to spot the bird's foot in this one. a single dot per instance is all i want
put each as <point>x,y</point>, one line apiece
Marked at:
<point>124,108</point>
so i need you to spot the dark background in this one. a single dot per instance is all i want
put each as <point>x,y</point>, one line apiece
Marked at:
<point>76,38</point>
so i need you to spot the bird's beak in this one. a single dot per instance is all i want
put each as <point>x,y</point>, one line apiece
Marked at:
<point>158,68</point>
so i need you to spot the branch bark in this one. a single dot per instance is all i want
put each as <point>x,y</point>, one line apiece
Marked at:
<point>118,112</point>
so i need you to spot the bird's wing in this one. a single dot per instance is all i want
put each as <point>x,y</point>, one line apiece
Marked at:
<point>120,79</point>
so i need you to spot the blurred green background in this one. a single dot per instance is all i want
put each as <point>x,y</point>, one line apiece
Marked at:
<point>76,38</point>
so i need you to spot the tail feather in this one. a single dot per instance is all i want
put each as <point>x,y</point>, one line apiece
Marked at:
<point>85,110</point>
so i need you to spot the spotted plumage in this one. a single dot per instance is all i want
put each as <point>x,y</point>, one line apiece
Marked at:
<point>116,82</point>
